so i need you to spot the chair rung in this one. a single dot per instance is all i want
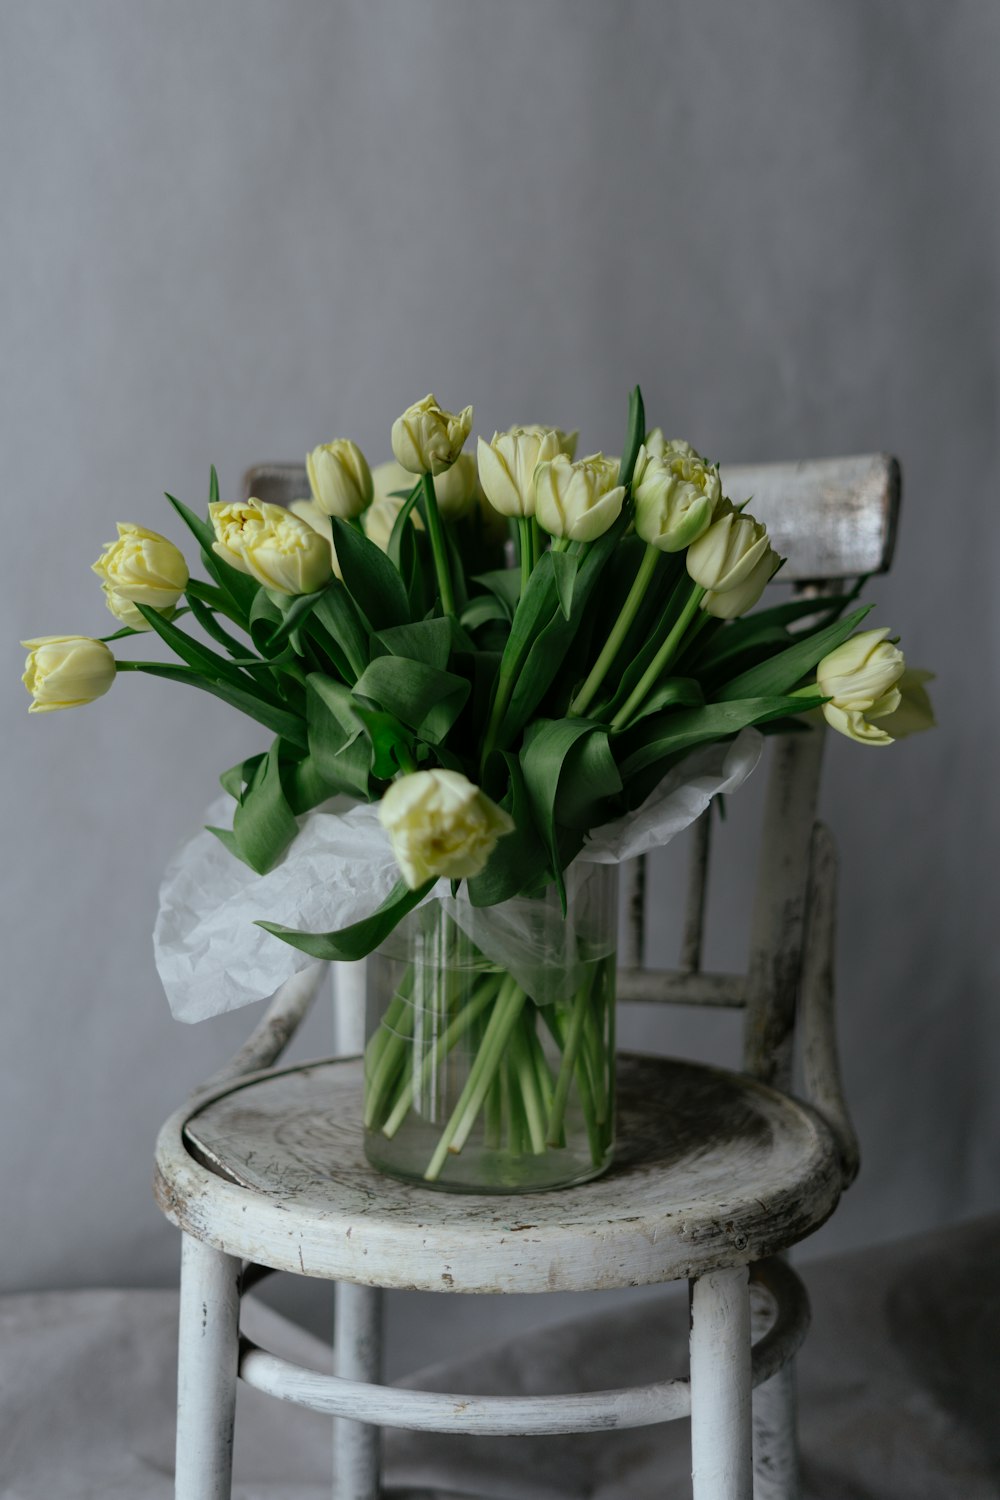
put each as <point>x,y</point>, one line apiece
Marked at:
<point>676,987</point>
<point>482,1416</point>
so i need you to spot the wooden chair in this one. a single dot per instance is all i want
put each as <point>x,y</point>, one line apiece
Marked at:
<point>717,1173</point>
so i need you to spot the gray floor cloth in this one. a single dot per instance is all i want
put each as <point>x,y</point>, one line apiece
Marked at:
<point>898,1394</point>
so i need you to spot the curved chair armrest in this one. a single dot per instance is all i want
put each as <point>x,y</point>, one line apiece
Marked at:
<point>274,1031</point>
<point>820,1062</point>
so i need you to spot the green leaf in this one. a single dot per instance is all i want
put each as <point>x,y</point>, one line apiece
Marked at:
<point>634,437</point>
<point>341,631</point>
<point>360,938</point>
<point>482,610</point>
<point>780,673</point>
<point>393,749</point>
<point>338,741</point>
<point>549,636</point>
<point>505,585</point>
<point>520,857</point>
<point>297,610</point>
<point>547,746</point>
<point>264,824</point>
<point>665,734</point>
<point>565,566</point>
<point>372,581</point>
<point>202,658</point>
<point>422,697</point>
<point>672,692</point>
<point>396,535</point>
<point>237,777</point>
<point>429,641</point>
<point>277,719</point>
<point>210,625</point>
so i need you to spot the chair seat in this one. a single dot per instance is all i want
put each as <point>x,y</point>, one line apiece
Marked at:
<point>712,1169</point>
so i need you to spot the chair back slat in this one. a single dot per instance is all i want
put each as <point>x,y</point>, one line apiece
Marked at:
<point>830,518</point>
<point>776,930</point>
<point>633,880</point>
<point>278,484</point>
<point>694,910</point>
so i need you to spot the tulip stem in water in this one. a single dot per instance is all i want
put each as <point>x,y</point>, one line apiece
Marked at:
<point>661,660</point>
<point>622,625</point>
<point>436,536</point>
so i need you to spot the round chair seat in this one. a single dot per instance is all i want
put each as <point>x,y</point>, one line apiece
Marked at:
<point>712,1169</point>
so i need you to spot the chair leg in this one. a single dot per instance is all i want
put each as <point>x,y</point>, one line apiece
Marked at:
<point>357,1355</point>
<point>721,1461</point>
<point>775,1448</point>
<point>208,1351</point>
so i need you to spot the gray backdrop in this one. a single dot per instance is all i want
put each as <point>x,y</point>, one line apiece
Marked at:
<point>232,230</point>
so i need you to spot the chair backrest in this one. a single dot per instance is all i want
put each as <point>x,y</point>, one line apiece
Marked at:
<point>833,520</point>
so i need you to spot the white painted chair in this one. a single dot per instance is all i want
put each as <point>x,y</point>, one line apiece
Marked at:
<point>716,1175</point>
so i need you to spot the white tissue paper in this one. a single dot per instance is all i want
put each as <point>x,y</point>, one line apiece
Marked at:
<point>211,958</point>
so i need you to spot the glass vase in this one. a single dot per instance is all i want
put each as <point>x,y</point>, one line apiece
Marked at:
<point>490,1056</point>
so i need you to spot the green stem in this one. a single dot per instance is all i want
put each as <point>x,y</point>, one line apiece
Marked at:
<point>439,1050</point>
<point>622,625</point>
<point>397,1026</point>
<point>524,1065</point>
<point>506,1010</point>
<point>561,544</point>
<point>568,1065</point>
<point>661,660</point>
<point>536,542</point>
<point>525,549</point>
<point>438,548</point>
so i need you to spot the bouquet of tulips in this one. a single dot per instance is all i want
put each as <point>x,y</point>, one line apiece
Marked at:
<point>503,651</point>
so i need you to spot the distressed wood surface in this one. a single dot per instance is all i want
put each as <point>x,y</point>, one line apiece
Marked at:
<point>713,1169</point>
<point>830,517</point>
<point>721,1432</point>
<point>207,1360</point>
<point>786,1309</point>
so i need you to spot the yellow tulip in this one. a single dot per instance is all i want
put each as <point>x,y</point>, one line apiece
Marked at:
<point>725,555</point>
<point>440,824</point>
<point>280,550</point>
<point>426,439</point>
<point>339,478</point>
<point>508,464</point>
<point>321,522</point>
<point>675,495</point>
<point>860,679</point>
<point>380,517</point>
<point>142,567</point>
<point>66,671</point>
<point>579,501</point>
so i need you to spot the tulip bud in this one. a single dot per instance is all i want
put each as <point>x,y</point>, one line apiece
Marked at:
<point>457,489</point>
<point>657,446</point>
<point>440,824</point>
<point>675,498</point>
<point>565,441</point>
<point>861,670</point>
<point>380,518</point>
<point>728,552</point>
<point>859,678</point>
<point>507,467</point>
<point>141,567</point>
<point>736,601</point>
<point>278,549</point>
<point>339,478</point>
<point>127,613</point>
<point>65,671</point>
<point>580,500</point>
<point>914,713</point>
<point>321,523</point>
<point>426,439</point>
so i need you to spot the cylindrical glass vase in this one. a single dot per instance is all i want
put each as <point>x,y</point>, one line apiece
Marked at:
<point>490,1059</point>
